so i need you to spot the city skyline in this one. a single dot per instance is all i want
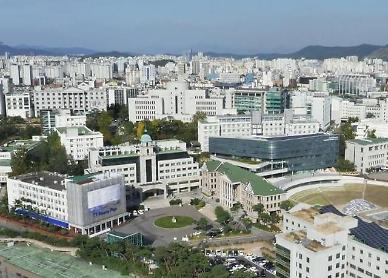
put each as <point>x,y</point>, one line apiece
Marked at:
<point>243,28</point>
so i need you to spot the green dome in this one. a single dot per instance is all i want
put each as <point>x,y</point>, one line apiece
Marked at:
<point>145,138</point>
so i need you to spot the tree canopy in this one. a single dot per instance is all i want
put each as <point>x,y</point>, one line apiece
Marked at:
<point>50,156</point>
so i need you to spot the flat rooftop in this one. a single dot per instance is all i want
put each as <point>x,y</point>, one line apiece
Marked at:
<point>369,141</point>
<point>300,237</point>
<point>306,214</point>
<point>328,228</point>
<point>17,144</point>
<point>45,179</point>
<point>48,264</point>
<point>81,130</point>
<point>88,178</point>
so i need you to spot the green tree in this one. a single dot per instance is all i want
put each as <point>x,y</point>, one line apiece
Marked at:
<point>259,208</point>
<point>203,224</point>
<point>243,274</point>
<point>286,205</point>
<point>372,134</point>
<point>344,165</point>
<point>217,271</point>
<point>222,215</point>
<point>265,218</point>
<point>275,218</point>
<point>19,162</point>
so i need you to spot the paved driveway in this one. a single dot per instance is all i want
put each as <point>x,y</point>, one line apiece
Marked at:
<point>159,236</point>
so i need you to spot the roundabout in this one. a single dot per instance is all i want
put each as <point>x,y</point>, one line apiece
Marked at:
<point>173,222</point>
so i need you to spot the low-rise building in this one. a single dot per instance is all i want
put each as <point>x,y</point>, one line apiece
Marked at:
<point>232,184</point>
<point>323,242</point>
<point>78,140</point>
<point>159,167</point>
<point>313,244</point>
<point>86,204</point>
<point>367,153</point>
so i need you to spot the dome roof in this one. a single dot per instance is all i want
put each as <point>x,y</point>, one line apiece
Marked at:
<point>145,138</point>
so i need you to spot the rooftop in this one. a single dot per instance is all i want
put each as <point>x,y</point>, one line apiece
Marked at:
<point>88,178</point>
<point>328,228</point>
<point>81,130</point>
<point>236,174</point>
<point>47,264</point>
<point>307,214</point>
<point>45,179</point>
<point>300,237</point>
<point>16,144</point>
<point>368,141</point>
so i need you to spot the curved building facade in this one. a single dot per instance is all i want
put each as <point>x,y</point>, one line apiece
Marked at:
<point>301,152</point>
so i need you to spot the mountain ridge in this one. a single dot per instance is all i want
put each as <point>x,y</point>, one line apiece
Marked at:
<point>309,52</point>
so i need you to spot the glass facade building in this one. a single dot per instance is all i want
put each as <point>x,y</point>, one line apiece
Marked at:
<point>246,100</point>
<point>301,152</point>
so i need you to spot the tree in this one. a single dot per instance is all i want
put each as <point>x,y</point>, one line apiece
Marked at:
<point>259,208</point>
<point>265,218</point>
<point>19,162</point>
<point>275,218</point>
<point>222,215</point>
<point>286,205</point>
<point>243,274</point>
<point>203,224</point>
<point>344,165</point>
<point>140,129</point>
<point>217,271</point>
<point>372,134</point>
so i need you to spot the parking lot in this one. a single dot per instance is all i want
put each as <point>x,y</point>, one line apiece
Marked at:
<point>235,260</point>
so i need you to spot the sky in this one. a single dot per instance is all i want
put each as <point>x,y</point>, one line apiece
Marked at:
<point>175,26</point>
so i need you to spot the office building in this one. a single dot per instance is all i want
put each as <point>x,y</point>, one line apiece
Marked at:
<point>75,99</point>
<point>159,167</point>
<point>177,101</point>
<point>19,104</point>
<point>367,153</point>
<point>323,242</point>
<point>255,123</point>
<point>296,153</point>
<point>246,100</point>
<point>85,204</point>
<point>313,244</point>
<point>227,125</point>
<point>356,84</point>
<point>78,140</point>
<point>60,118</point>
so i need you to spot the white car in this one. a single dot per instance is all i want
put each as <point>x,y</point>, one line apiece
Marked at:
<point>140,212</point>
<point>134,213</point>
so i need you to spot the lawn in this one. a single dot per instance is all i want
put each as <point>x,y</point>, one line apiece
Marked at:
<point>166,222</point>
<point>340,195</point>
